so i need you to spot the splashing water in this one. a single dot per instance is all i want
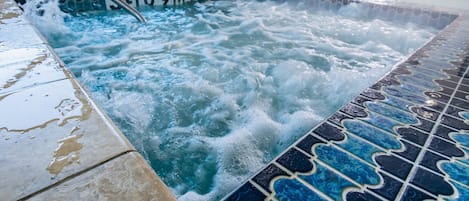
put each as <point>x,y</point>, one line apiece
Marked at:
<point>210,93</point>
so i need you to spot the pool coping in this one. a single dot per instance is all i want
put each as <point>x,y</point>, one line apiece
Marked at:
<point>118,171</point>
<point>56,143</point>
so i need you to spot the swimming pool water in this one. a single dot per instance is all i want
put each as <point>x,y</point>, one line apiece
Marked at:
<point>210,92</point>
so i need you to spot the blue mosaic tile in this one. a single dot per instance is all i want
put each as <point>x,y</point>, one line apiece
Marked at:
<point>462,138</point>
<point>447,83</point>
<point>463,192</point>
<point>464,160</point>
<point>426,113</point>
<point>412,89</point>
<point>462,95</point>
<point>328,182</point>
<point>329,132</point>
<point>372,134</point>
<point>410,151</point>
<point>394,165</point>
<point>438,96</point>
<point>267,174</point>
<point>457,171</point>
<point>360,100</point>
<point>446,91</point>
<point>386,81</point>
<point>353,110</point>
<point>338,117</point>
<point>424,124</point>
<point>454,112</point>
<point>412,194</point>
<point>443,132</point>
<point>445,148</point>
<point>246,192</point>
<point>349,166</point>
<point>390,188</point>
<point>307,143</point>
<point>373,94</point>
<point>420,83</point>
<point>429,78</point>
<point>358,196</point>
<point>454,123</point>
<point>295,161</point>
<point>432,183</point>
<point>398,103</point>
<point>430,160</point>
<point>463,88</point>
<point>390,112</point>
<point>360,148</point>
<point>432,73</point>
<point>460,103</point>
<point>464,115</point>
<point>410,96</point>
<point>293,190</point>
<point>381,122</point>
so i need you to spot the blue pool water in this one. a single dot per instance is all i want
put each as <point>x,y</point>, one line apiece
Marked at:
<point>210,92</point>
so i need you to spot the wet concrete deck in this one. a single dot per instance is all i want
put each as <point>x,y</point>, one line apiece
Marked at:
<point>55,143</point>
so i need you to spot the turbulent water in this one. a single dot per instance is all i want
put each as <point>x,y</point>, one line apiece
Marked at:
<point>211,92</point>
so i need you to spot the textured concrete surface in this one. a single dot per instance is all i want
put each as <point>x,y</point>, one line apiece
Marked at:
<point>56,144</point>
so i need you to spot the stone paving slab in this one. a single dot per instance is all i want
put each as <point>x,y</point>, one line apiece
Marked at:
<point>125,178</point>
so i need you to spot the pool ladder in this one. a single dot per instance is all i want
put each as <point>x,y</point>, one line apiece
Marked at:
<point>131,10</point>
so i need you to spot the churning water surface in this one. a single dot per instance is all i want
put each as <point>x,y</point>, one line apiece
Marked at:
<point>211,92</point>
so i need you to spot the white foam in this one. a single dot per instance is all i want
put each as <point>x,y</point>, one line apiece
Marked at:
<point>210,94</point>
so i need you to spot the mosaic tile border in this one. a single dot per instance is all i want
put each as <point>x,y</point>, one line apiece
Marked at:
<point>404,138</point>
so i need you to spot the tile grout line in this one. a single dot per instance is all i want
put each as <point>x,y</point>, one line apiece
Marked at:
<point>74,175</point>
<point>427,143</point>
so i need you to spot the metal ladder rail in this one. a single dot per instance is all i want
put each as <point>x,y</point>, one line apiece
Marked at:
<point>131,10</point>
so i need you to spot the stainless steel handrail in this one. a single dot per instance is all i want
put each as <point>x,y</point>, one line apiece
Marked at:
<point>131,10</point>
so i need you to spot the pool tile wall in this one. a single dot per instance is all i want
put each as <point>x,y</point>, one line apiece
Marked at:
<point>404,138</point>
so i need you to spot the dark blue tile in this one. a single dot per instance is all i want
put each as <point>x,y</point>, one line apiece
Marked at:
<point>413,135</point>
<point>454,123</point>
<point>412,194</point>
<point>438,96</point>
<point>307,143</point>
<point>266,175</point>
<point>462,95</point>
<point>454,79</point>
<point>386,81</point>
<point>247,192</point>
<point>394,165</point>
<point>443,131</point>
<point>329,132</point>
<point>454,111</point>
<point>410,152</point>
<point>359,100</point>
<point>293,190</point>
<point>445,148</point>
<point>430,161</point>
<point>435,105</point>
<point>358,196</point>
<point>447,83</point>
<point>463,88</point>
<point>337,118</point>
<point>432,183</point>
<point>455,72</point>
<point>460,103</point>
<point>372,94</point>
<point>425,113</point>
<point>390,188</point>
<point>424,125</point>
<point>295,161</point>
<point>353,110</point>
<point>446,91</point>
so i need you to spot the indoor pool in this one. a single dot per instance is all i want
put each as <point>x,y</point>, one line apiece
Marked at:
<point>211,92</point>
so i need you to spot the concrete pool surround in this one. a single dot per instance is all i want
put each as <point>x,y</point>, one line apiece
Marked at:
<point>403,138</point>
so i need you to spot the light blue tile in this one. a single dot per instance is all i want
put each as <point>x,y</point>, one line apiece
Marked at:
<point>293,190</point>
<point>462,191</point>
<point>420,83</point>
<point>395,91</point>
<point>328,182</point>
<point>392,113</point>
<point>462,138</point>
<point>381,122</point>
<point>399,103</point>
<point>360,172</point>
<point>372,134</point>
<point>360,148</point>
<point>457,171</point>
